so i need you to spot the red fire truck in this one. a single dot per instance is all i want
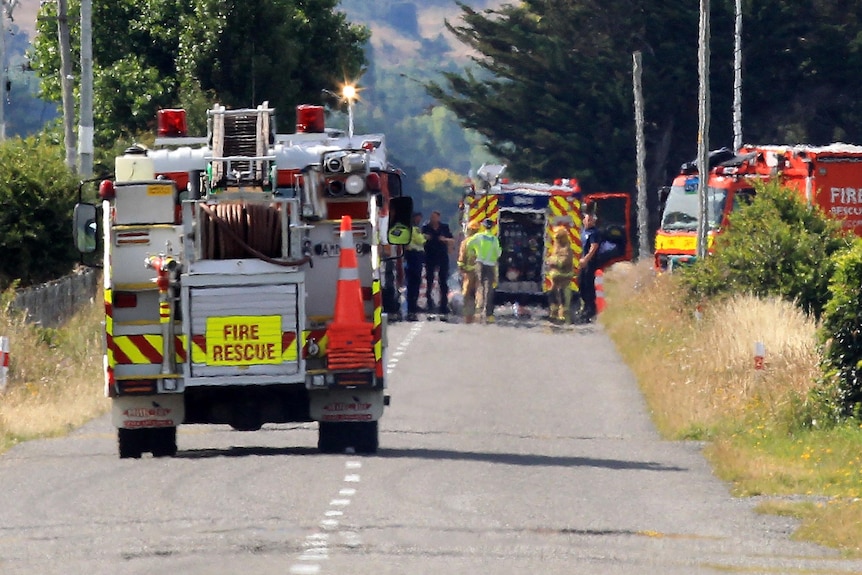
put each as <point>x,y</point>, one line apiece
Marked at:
<point>243,279</point>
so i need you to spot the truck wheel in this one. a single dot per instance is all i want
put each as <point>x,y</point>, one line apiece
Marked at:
<point>131,442</point>
<point>163,441</point>
<point>330,437</point>
<point>336,437</point>
<point>366,437</point>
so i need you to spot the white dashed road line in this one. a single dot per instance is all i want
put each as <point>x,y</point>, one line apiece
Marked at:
<point>316,545</point>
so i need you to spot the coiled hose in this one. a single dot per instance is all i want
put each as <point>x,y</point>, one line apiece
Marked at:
<point>234,230</point>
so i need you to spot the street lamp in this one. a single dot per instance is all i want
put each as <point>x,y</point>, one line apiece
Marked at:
<point>349,93</point>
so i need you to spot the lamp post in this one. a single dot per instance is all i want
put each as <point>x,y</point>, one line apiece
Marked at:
<point>348,92</point>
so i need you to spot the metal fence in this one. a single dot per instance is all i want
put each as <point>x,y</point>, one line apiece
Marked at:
<point>51,304</point>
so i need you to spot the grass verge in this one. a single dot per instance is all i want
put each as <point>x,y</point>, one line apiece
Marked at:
<point>695,367</point>
<point>55,380</point>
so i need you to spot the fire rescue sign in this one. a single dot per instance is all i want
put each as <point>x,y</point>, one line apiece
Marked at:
<point>244,340</point>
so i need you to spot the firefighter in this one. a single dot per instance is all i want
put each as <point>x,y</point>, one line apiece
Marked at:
<point>414,255</point>
<point>488,252</point>
<point>561,268</point>
<point>467,265</point>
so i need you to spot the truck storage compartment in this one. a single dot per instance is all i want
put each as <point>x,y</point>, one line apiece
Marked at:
<point>244,331</point>
<point>522,240</point>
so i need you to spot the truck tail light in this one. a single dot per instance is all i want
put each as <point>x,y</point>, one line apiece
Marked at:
<point>136,387</point>
<point>125,299</point>
<point>372,181</point>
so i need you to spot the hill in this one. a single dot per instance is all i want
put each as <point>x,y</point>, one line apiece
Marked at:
<point>399,29</point>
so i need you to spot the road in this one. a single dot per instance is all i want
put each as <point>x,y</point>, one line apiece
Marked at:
<point>508,449</point>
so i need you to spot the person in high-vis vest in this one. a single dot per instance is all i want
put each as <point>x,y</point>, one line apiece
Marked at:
<point>468,267</point>
<point>561,269</point>
<point>488,252</point>
<point>414,259</point>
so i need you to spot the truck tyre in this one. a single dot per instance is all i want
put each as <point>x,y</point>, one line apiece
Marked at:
<point>330,437</point>
<point>163,441</point>
<point>336,437</point>
<point>366,437</point>
<point>131,442</point>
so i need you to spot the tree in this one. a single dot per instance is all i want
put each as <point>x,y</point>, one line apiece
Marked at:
<point>550,87</point>
<point>152,54</point>
<point>37,194</point>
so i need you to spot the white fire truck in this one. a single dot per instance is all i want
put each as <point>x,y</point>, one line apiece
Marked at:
<point>224,273</point>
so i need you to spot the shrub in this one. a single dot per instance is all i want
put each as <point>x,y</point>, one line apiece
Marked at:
<point>777,245</point>
<point>37,195</point>
<point>842,330</point>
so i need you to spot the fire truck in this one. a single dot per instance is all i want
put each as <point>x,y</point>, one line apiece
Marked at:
<point>524,216</point>
<point>829,177</point>
<point>243,279</point>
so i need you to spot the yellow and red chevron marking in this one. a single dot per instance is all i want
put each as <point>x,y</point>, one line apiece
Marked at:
<point>289,347</point>
<point>378,327</point>
<point>141,349</point>
<point>483,207</point>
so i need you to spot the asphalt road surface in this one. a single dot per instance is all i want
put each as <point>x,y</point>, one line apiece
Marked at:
<point>509,449</point>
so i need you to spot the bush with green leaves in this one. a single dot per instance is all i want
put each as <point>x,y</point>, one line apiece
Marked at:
<point>37,196</point>
<point>777,245</point>
<point>841,331</point>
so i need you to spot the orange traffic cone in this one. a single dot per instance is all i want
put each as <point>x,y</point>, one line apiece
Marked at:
<point>349,308</point>
<point>601,304</point>
<point>351,339</point>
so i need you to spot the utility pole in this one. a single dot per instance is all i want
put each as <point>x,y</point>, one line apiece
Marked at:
<point>6,8</point>
<point>643,228</point>
<point>66,79</point>
<point>703,132</point>
<point>737,79</point>
<point>85,126</point>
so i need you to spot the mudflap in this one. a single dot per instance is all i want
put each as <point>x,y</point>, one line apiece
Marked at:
<point>148,411</point>
<point>346,405</point>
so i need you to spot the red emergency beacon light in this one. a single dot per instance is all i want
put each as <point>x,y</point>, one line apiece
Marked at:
<point>172,123</point>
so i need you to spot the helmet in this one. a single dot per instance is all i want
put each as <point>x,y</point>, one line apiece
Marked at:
<point>561,232</point>
<point>488,223</point>
<point>473,227</point>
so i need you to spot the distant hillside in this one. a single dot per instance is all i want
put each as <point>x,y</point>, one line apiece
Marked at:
<point>401,28</point>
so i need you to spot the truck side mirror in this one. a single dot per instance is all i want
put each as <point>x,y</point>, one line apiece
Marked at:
<point>400,224</point>
<point>85,228</point>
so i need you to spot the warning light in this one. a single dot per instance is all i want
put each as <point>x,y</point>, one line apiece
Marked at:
<point>172,123</point>
<point>106,190</point>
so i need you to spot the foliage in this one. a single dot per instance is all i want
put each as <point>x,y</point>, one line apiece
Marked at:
<point>551,84</point>
<point>778,245</point>
<point>842,333</point>
<point>151,54</point>
<point>446,188</point>
<point>37,194</point>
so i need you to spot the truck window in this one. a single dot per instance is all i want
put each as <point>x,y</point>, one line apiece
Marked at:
<point>682,208</point>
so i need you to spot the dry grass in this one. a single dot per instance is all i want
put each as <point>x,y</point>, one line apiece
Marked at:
<point>699,380</point>
<point>55,376</point>
<point>698,374</point>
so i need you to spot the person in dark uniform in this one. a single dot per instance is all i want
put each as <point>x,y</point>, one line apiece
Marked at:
<point>414,260</point>
<point>438,238</point>
<point>591,240</point>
